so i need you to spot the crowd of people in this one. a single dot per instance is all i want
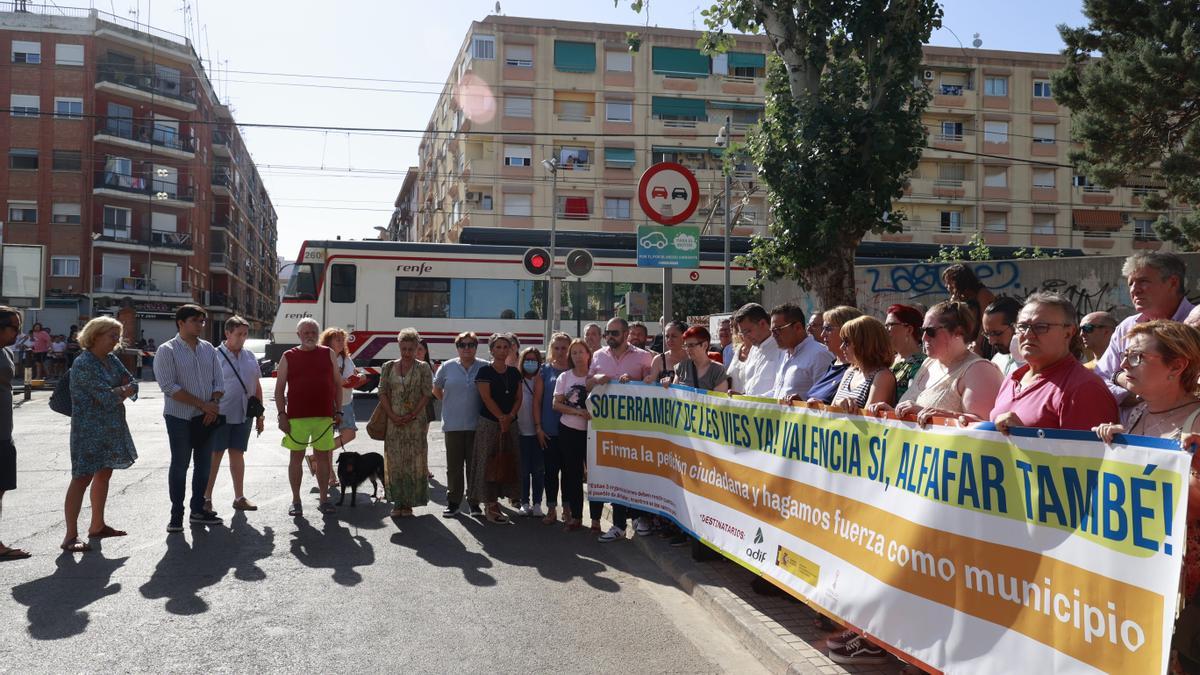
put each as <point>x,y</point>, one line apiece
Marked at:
<point>515,424</point>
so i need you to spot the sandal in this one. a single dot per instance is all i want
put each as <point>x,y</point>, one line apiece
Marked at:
<point>327,508</point>
<point>551,517</point>
<point>495,516</point>
<point>106,531</point>
<point>10,553</point>
<point>296,510</point>
<point>76,546</point>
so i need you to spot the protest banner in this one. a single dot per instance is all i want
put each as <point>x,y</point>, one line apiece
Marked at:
<point>962,549</point>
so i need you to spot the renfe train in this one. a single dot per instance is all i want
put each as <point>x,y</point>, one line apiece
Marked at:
<point>373,289</point>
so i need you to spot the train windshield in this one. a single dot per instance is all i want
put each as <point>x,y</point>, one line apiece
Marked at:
<point>303,283</point>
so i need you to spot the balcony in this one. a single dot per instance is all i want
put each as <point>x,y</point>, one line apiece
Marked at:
<point>221,143</point>
<point>220,261</point>
<point>144,84</point>
<point>129,133</point>
<point>223,184</point>
<point>176,243</point>
<point>103,283</point>
<point>150,191</point>
<point>230,226</point>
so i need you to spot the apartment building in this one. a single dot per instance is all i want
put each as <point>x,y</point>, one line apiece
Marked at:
<point>527,90</point>
<point>126,166</point>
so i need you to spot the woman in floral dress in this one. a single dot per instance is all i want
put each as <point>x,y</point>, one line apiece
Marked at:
<point>405,387</point>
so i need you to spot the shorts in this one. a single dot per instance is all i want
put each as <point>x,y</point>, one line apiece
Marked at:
<point>348,420</point>
<point>8,465</point>
<point>39,357</point>
<point>232,436</point>
<point>314,431</point>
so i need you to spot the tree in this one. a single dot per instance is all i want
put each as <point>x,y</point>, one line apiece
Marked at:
<point>841,131</point>
<point>1136,108</point>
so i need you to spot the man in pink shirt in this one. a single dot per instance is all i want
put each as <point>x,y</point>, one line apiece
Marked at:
<point>1053,390</point>
<point>621,362</point>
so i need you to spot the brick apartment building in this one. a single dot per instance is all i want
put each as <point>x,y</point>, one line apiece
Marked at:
<point>523,90</point>
<point>126,166</point>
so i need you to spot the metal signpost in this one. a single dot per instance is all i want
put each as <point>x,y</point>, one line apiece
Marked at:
<point>668,194</point>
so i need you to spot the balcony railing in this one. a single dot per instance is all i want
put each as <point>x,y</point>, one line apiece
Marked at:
<point>144,132</point>
<point>220,258</point>
<point>141,185</point>
<point>573,117</point>
<point>951,89</point>
<point>948,138</point>
<point>144,79</point>
<point>681,124</point>
<point>159,238</point>
<point>220,137</point>
<point>230,226</point>
<point>104,282</point>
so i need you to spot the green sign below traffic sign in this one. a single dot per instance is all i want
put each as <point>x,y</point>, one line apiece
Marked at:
<point>674,246</point>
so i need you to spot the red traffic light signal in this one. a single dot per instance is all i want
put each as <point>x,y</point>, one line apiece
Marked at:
<point>537,261</point>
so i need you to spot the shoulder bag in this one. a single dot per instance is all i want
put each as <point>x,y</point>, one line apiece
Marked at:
<point>60,400</point>
<point>254,407</point>
<point>377,426</point>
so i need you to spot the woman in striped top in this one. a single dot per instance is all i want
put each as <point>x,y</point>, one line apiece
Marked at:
<point>868,348</point>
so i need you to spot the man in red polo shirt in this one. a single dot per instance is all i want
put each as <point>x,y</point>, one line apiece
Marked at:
<point>1053,390</point>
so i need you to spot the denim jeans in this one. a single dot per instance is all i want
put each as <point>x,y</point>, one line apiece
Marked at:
<point>532,469</point>
<point>190,442</point>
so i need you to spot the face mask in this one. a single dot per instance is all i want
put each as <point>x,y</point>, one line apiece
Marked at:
<point>530,366</point>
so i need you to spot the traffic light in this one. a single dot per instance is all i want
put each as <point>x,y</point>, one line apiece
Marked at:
<point>537,261</point>
<point>579,262</point>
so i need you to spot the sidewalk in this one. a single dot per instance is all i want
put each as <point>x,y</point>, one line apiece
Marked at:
<point>778,629</point>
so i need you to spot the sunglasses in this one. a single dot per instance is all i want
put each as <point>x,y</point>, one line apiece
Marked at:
<point>1089,327</point>
<point>466,345</point>
<point>779,329</point>
<point>929,331</point>
<point>1136,359</point>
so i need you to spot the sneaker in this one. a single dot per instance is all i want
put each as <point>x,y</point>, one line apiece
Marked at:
<point>680,540</point>
<point>475,510</point>
<point>642,527</point>
<point>536,511</point>
<point>450,511</point>
<point>613,534</point>
<point>858,651</point>
<point>841,639</point>
<point>296,509</point>
<point>205,518</point>
<point>175,524</point>
<point>524,510</point>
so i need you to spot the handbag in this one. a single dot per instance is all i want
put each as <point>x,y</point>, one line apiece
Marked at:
<point>377,426</point>
<point>502,465</point>
<point>60,400</point>
<point>254,407</point>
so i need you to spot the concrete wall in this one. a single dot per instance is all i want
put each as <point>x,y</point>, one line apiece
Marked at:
<point>1093,283</point>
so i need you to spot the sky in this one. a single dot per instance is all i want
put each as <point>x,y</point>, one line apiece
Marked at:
<point>381,64</point>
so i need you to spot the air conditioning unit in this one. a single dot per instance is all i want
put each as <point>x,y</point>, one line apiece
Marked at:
<point>927,75</point>
<point>474,197</point>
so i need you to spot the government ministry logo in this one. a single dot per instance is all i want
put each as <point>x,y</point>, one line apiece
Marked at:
<point>758,538</point>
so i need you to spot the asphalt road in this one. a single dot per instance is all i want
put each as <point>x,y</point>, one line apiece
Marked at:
<point>356,590</point>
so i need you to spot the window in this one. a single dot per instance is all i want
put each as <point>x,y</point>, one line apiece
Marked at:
<point>68,108</point>
<point>995,132</point>
<point>616,208</point>
<point>485,202</point>
<point>67,160</point>
<point>64,266</point>
<point>483,47</point>
<point>120,120</point>
<point>1043,223</point>
<point>518,106</point>
<point>618,111</point>
<point>22,158</point>
<point>116,222</point>
<point>618,62</point>
<point>995,86</point>
<point>22,212</point>
<point>1043,133</point>
<point>619,158</point>
<point>1041,89</point>
<point>26,52</point>
<point>680,62</point>
<point>573,111</point>
<point>995,176</point>
<point>517,155</point>
<point>574,157</point>
<point>1143,228</point>
<point>25,105</point>
<point>68,55</point>
<point>166,79</point>
<point>574,208</point>
<point>1043,178</point>
<point>65,213</point>
<point>342,282</point>
<point>574,57</point>
<point>951,221</point>
<point>422,298</point>
<point>166,180</point>
<point>518,56</point>
<point>952,131</point>
<point>995,221</point>
<point>955,172</point>
<point>518,205</point>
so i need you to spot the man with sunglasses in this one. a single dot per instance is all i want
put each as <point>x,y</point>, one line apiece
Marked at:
<point>998,320</point>
<point>804,359</point>
<point>454,385</point>
<point>1097,331</point>
<point>1158,289</point>
<point>10,327</point>
<point>765,358</point>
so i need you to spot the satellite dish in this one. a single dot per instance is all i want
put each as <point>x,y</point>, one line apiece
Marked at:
<point>977,43</point>
<point>497,7</point>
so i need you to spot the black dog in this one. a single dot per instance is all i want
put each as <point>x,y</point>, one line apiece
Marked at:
<point>353,468</point>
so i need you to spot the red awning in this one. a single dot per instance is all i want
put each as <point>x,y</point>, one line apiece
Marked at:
<point>575,207</point>
<point>1097,220</point>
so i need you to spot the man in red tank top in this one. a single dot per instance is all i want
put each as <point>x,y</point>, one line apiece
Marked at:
<point>307,397</point>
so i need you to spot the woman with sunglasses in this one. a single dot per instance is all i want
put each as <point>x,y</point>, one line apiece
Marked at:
<point>868,349</point>
<point>824,389</point>
<point>500,392</point>
<point>1053,390</point>
<point>699,370</point>
<point>903,324</point>
<point>953,381</point>
<point>663,365</point>
<point>454,386</point>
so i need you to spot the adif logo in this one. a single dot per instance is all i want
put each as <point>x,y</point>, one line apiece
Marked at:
<point>758,538</point>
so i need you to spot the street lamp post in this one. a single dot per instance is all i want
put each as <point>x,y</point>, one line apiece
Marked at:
<point>722,141</point>
<point>551,165</point>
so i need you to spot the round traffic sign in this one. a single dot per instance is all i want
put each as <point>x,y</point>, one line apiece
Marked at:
<point>668,193</point>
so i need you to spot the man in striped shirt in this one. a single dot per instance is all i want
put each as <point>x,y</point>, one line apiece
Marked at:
<point>188,372</point>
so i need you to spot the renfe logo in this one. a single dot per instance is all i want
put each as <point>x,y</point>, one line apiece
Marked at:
<point>418,270</point>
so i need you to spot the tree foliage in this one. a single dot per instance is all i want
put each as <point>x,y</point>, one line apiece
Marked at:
<point>1136,107</point>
